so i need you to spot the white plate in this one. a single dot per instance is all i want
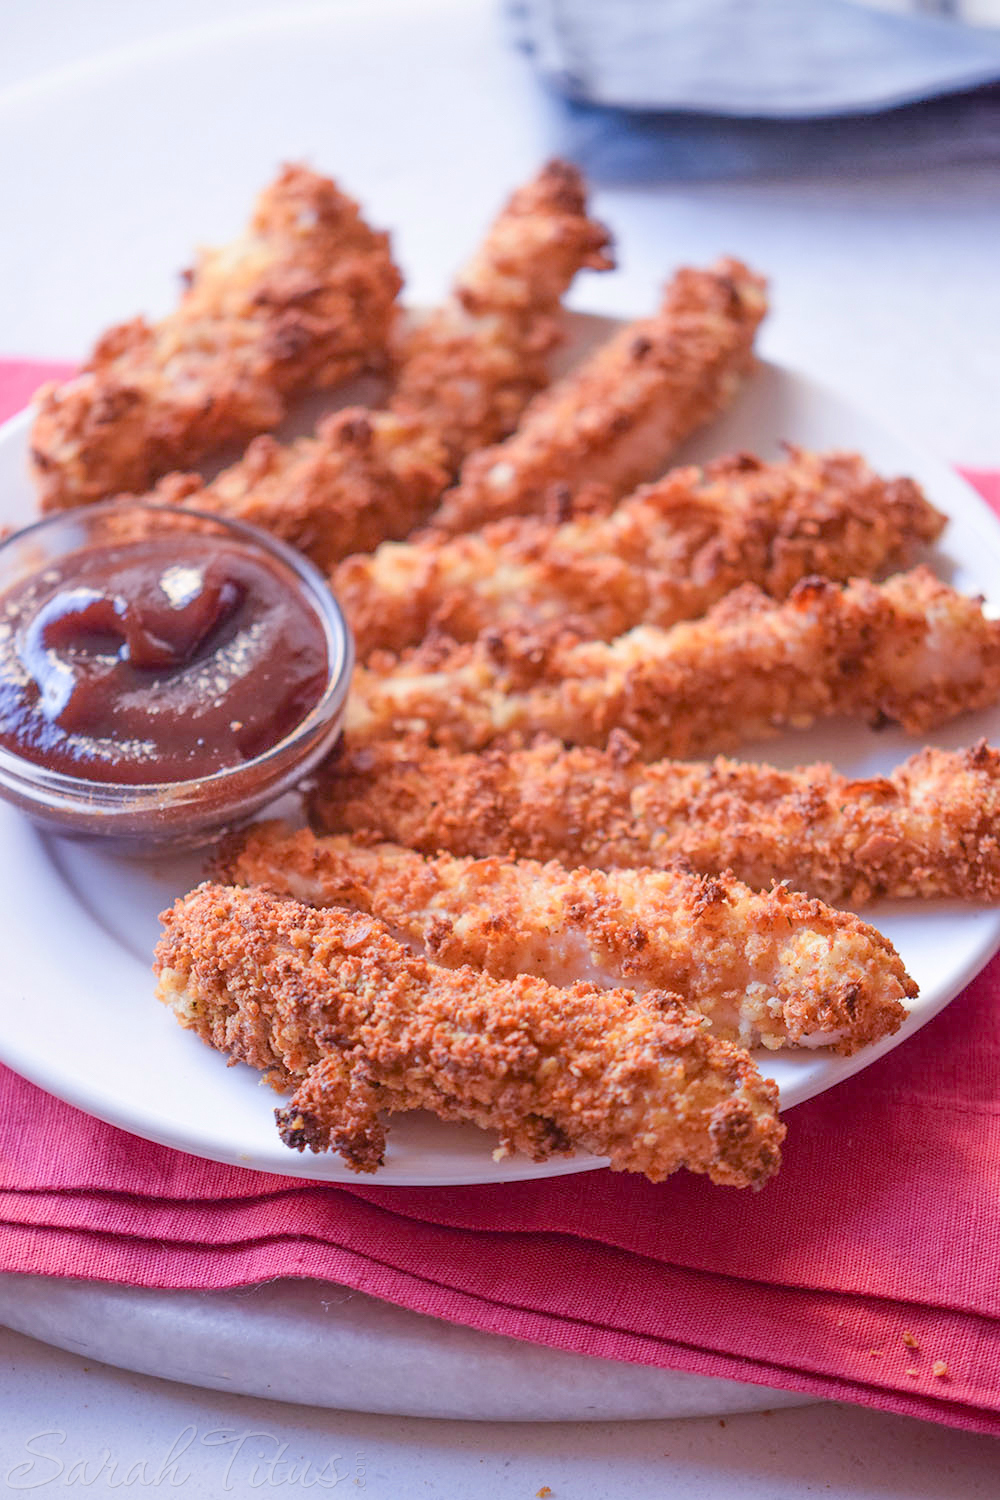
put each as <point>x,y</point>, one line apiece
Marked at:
<point>77,927</point>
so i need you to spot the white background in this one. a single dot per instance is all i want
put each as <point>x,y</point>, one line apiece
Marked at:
<point>887,289</point>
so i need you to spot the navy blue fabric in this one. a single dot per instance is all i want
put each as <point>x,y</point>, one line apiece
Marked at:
<point>628,146</point>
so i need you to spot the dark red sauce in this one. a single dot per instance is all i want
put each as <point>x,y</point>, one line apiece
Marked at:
<point>164,659</point>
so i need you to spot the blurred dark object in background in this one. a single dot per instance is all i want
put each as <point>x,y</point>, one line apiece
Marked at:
<point>653,90</point>
<point>624,146</point>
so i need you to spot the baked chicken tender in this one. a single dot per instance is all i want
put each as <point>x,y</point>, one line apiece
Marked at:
<point>619,417</point>
<point>329,1002</point>
<point>909,651</point>
<point>666,553</point>
<point>931,829</point>
<point>305,298</point>
<point>467,371</point>
<point>365,475</point>
<point>463,376</point>
<point>776,969</point>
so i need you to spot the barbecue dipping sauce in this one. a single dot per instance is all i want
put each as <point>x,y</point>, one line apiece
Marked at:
<point>156,660</point>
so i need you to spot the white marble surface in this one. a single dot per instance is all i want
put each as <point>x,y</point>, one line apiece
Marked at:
<point>331,1346</point>
<point>89,1411</point>
<point>886,288</point>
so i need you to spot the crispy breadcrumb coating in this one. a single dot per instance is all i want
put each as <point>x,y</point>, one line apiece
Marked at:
<point>931,829</point>
<point>329,1001</point>
<point>304,298</point>
<point>619,416</point>
<point>464,375</point>
<point>776,969</point>
<point>909,651</point>
<point>667,553</point>
<point>468,370</point>
<point>365,475</point>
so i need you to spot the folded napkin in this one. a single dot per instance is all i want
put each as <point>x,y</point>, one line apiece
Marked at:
<point>783,59</point>
<point>868,1271</point>
<point>666,90</point>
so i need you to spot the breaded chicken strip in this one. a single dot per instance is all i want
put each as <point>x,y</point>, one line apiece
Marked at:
<point>667,553</point>
<point>775,969</point>
<point>329,1001</point>
<point>364,475</point>
<point>468,370</point>
<point>619,416</point>
<point>931,829</point>
<point>909,651</point>
<point>304,298</point>
<point>463,377</point>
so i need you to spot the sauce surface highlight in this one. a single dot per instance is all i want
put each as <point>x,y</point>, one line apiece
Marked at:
<point>157,660</point>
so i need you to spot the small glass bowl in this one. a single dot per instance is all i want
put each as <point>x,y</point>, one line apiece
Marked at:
<point>175,814</point>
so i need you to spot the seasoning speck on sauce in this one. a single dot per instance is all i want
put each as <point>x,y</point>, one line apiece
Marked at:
<point>157,660</point>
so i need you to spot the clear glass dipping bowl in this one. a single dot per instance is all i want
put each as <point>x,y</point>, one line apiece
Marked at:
<point>175,814</point>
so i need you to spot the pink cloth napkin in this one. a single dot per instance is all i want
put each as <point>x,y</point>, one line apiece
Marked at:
<point>20,379</point>
<point>872,1257</point>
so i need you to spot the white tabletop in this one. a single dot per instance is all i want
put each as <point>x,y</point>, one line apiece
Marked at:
<point>886,288</point>
<point>829,1451</point>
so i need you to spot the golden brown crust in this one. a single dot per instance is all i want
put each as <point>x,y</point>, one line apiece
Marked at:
<point>666,553</point>
<point>909,651</point>
<point>305,298</point>
<point>928,830</point>
<point>364,476</point>
<point>463,377</point>
<point>617,419</point>
<point>468,370</point>
<point>285,987</point>
<point>776,969</point>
